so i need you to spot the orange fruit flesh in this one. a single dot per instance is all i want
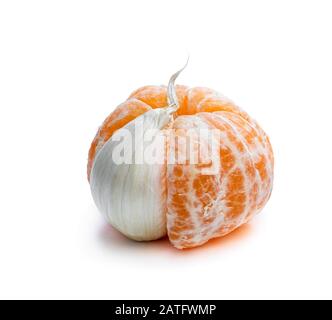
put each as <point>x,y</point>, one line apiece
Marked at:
<point>203,203</point>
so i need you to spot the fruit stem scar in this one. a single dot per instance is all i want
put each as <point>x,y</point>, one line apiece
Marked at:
<point>173,103</point>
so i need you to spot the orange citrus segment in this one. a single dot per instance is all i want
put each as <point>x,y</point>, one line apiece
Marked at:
<point>260,151</point>
<point>195,96</point>
<point>190,189</point>
<point>214,103</point>
<point>154,96</point>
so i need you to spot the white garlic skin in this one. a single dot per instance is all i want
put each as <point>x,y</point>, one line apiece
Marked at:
<point>132,196</point>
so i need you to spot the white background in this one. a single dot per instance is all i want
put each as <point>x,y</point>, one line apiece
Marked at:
<point>65,65</point>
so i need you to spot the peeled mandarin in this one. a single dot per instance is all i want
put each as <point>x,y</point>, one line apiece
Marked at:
<point>210,200</point>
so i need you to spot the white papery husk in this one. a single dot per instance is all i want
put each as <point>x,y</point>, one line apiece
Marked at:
<point>131,195</point>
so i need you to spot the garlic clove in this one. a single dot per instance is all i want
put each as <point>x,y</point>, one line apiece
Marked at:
<point>132,194</point>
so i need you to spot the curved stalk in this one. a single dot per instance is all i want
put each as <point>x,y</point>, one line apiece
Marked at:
<point>173,103</point>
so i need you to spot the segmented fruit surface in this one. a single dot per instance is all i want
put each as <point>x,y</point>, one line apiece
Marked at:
<point>205,199</point>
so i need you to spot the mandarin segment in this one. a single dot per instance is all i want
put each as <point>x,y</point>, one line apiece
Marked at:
<point>214,102</point>
<point>192,191</point>
<point>260,151</point>
<point>195,96</point>
<point>154,96</point>
<point>245,166</point>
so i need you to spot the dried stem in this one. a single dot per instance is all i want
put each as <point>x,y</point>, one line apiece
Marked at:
<point>173,103</point>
